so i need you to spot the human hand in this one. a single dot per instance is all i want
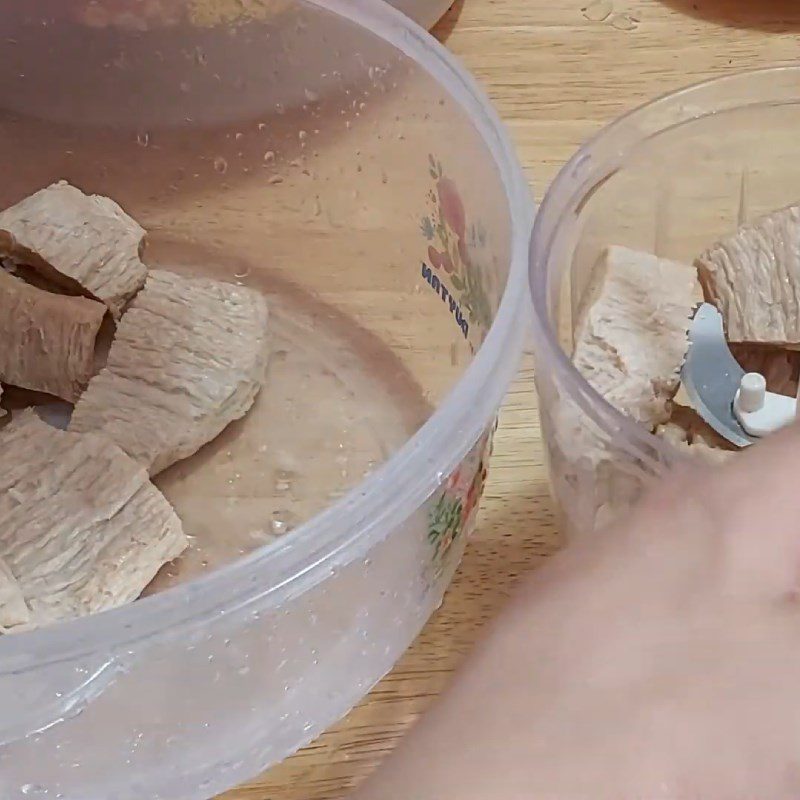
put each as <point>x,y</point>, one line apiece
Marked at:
<point>660,659</point>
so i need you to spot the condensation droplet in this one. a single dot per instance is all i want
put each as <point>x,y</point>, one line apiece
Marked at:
<point>143,139</point>
<point>598,11</point>
<point>243,274</point>
<point>275,179</point>
<point>269,157</point>
<point>220,165</point>
<point>278,525</point>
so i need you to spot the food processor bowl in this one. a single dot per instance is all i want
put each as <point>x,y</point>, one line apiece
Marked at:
<point>669,178</point>
<point>333,156</point>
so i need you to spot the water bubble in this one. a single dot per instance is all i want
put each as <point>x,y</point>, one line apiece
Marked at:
<point>284,479</point>
<point>143,139</point>
<point>269,157</point>
<point>221,165</point>
<point>243,273</point>
<point>275,179</point>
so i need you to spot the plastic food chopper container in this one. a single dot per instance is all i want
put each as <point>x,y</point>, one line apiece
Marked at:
<point>332,155</point>
<point>669,178</point>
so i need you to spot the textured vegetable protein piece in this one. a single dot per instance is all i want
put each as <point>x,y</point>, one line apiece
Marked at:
<point>189,358</point>
<point>13,608</point>
<point>632,338</point>
<point>693,443</point>
<point>85,244</point>
<point>753,277</point>
<point>46,340</point>
<point>82,529</point>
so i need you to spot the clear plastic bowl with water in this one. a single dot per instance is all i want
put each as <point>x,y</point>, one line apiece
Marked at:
<point>669,178</point>
<point>330,154</point>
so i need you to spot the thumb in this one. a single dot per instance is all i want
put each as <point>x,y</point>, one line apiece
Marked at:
<point>753,506</point>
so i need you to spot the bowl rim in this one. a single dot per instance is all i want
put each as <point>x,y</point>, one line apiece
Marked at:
<point>352,525</point>
<point>560,210</point>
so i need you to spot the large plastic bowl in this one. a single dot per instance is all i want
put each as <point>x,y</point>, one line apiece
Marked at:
<point>334,156</point>
<point>668,178</point>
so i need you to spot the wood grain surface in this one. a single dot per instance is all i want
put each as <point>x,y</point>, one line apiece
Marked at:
<point>557,71</point>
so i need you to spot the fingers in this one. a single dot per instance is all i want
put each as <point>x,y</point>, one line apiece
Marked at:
<point>751,509</point>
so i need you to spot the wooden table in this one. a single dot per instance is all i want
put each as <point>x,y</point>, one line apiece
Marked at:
<point>556,73</point>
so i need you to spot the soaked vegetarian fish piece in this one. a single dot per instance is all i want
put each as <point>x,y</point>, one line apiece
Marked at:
<point>46,340</point>
<point>693,444</point>
<point>14,610</point>
<point>85,244</point>
<point>188,359</point>
<point>753,277</point>
<point>632,338</point>
<point>82,529</point>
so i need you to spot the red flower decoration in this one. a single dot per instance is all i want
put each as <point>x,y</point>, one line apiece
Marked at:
<point>434,257</point>
<point>453,480</point>
<point>447,263</point>
<point>462,252</point>
<point>452,207</point>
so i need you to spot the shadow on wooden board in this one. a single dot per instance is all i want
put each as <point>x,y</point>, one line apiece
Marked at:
<point>774,16</point>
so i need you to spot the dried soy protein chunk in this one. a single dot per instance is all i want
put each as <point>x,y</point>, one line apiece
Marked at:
<point>632,337</point>
<point>14,610</point>
<point>691,436</point>
<point>82,529</point>
<point>46,340</point>
<point>753,277</point>
<point>189,358</point>
<point>85,244</point>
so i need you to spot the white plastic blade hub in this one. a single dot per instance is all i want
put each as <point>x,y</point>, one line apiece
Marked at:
<point>761,412</point>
